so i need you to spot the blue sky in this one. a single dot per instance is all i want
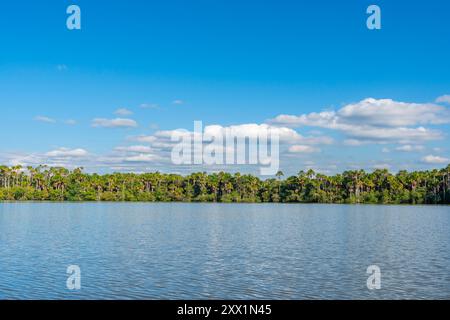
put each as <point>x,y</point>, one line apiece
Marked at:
<point>226,63</point>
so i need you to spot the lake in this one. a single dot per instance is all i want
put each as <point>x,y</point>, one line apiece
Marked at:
<point>223,251</point>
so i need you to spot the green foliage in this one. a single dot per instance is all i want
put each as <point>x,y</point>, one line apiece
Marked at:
<point>59,184</point>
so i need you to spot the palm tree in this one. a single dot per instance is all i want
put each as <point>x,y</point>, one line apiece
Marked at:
<point>279,175</point>
<point>44,183</point>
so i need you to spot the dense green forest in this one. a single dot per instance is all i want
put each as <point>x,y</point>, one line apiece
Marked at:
<point>380,186</point>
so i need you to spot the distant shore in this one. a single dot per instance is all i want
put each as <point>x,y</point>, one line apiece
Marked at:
<point>80,202</point>
<point>353,187</point>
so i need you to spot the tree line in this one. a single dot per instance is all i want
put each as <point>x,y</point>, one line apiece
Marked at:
<point>357,186</point>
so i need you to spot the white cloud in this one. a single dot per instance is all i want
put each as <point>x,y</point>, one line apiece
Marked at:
<point>400,126</point>
<point>114,123</point>
<point>51,120</point>
<point>123,112</point>
<point>409,148</point>
<point>141,158</point>
<point>67,153</point>
<point>303,149</point>
<point>354,142</point>
<point>143,139</point>
<point>160,145</point>
<point>326,119</point>
<point>286,135</point>
<point>137,149</point>
<point>252,130</point>
<point>162,138</point>
<point>390,113</point>
<point>443,99</point>
<point>44,119</point>
<point>435,159</point>
<point>70,122</point>
<point>149,106</point>
<point>371,112</point>
<point>178,102</point>
<point>401,134</point>
<point>62,157</point>
<point>376,121</point>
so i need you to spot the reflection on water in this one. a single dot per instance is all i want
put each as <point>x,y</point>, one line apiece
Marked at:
<point>220,251</point>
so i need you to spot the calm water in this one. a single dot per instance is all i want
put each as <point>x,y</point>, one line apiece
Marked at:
<point>206,251</point>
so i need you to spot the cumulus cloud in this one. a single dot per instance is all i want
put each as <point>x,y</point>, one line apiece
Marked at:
<point>141,158</point>
<point>285,134</point>
<point>178,102</point>
<point>395,126</point>
<point>61,157</point>
<point>376,121</point>
<point>123,112</point>
<point>44,119</point>
<point>252,130</point>
<point>67,153</point>
<point>143,138</point>
<point>401,134</point>
<point>137,149</point>
<point>161,143</point>
<point>410,148</point>
<point>70,122</point>
<point>114,123</point>
<point>51,120</point>
<point>162,138</point>
<point>371,112</point>
<point>149,106</point>
<point>354,142</point>
<point>443,99</point>
<point>390,113</point>
<point>303,149</point>
<point>430,159</point>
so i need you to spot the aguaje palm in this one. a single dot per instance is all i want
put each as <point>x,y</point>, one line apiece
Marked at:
<point>357,186</point>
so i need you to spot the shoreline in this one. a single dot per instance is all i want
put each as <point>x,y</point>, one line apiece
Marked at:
<point>226,203</point>
<point>60,184</point>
